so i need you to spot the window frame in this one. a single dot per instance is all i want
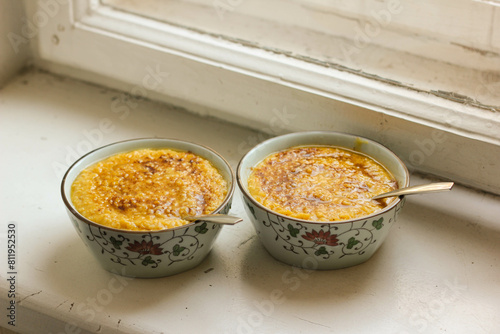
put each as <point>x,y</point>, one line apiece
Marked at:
<point>248,85</point>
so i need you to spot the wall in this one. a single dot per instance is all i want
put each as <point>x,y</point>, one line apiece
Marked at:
<point>14,40</point>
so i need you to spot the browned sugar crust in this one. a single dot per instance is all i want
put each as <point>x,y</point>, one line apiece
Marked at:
<point>320,183</point>
<point>148,189</point>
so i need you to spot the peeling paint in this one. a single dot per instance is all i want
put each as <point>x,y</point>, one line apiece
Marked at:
<point>61,304</point>
<point>485,53</point>
<point>446,95</point>
<point>459,98</point>
<point>442,94</point>
<point>313,322</point>
<point>28,296</point>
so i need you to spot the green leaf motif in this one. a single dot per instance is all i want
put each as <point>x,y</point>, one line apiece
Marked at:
<point>293,231</point>
<point>202,229</point>
<point>147,260</point>
<point>178,250</point>
<point>321,250</point>
<point>378,224</point>
<point>352,242</point>
<point>116,243</point>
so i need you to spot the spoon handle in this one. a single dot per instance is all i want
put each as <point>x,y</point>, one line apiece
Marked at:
<point>216,218</point>
<point>424,188</point>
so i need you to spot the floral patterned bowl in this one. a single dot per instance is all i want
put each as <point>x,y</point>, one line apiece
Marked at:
<point>321,245</point>
<point>147,253</point>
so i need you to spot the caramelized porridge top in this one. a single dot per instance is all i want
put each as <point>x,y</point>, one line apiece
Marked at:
<point>148,189</point>
<point>321,183</point>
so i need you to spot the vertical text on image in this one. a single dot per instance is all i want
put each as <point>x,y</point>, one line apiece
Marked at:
<point>12,244</point>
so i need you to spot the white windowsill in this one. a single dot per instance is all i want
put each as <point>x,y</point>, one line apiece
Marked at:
<point>437,271</point>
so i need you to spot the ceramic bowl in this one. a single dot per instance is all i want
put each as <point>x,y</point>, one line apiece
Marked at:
<point>147,253</point>
<point>321,245</point>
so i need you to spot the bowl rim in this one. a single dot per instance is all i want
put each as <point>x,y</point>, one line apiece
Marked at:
<point>245,192</point>
<point>72,209</point>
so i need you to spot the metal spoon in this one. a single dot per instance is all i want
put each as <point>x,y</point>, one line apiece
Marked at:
<point>217,218</point>
<point>424,188</point>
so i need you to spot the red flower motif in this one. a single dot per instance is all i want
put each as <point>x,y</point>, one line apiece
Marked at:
<point>144,248</point>
<point>321,238</point>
